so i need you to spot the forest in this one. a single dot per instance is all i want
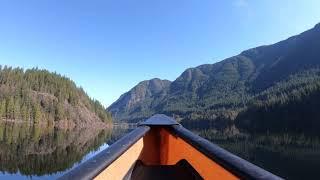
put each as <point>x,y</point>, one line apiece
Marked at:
<point>288,107</point>
<point>36,96</point>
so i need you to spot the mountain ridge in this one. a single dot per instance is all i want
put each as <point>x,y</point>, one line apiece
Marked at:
<point>224,89</point>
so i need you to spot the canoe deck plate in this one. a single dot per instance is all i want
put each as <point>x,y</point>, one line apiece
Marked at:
<point>159,120</point>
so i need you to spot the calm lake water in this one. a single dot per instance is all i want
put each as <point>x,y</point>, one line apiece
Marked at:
<point>34,152</point>
<point>290,156</point>
<point>287,161</point>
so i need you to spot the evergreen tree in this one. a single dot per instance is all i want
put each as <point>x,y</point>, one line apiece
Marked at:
<point>36,113</point>
<point>59,114</point>
<point>10,108</point>
<point>24,113</point>
<point>17,114</point>
<point>2,109</point>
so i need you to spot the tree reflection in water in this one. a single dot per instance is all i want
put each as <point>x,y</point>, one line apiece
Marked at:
<point>41,150</point>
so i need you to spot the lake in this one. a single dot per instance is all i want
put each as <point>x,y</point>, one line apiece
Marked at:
<point>289,156</point>
<point>37,152</point>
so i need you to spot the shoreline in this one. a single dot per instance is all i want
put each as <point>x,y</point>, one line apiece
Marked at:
<point>63,124</point>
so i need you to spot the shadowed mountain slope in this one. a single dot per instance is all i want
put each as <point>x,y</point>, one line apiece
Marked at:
<point>215,94</point>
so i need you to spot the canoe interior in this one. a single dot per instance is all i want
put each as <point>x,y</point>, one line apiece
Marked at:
<point>160,152</point>
<point>160,148</point>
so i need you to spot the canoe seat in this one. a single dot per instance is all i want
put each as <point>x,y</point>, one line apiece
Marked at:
<point>181,170</point>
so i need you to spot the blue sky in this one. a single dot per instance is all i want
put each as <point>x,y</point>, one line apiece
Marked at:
<point>108,46</point>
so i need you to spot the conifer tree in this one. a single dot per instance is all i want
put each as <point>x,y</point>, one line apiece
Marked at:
<point>36,113</point>
<point>17,114</point>
<point>2,109</point>
<point>10,108</point>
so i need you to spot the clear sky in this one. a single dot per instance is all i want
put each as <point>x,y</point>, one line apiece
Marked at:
<point>108,46</point>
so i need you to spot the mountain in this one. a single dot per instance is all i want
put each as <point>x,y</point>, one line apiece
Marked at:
<point>139,98</point>
<point>216,94</point>
<point>40,97</point>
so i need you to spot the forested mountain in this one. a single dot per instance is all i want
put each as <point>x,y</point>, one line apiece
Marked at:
<point>238,89</point>
<point>139,98</point>
<point>38,96</point>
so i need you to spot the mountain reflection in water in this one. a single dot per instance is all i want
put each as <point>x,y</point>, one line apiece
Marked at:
<point>42,152</point>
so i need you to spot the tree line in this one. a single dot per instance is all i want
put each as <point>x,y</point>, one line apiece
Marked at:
<point>36,95</point>
<point>289,106</point>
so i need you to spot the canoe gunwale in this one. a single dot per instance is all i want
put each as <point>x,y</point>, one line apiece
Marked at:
<point>230,162</point>
<point>240,167</point>
<point>94,166</point>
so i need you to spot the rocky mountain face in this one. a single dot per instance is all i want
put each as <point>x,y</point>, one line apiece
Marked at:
<point>137,98</point>
<point>218,92</point>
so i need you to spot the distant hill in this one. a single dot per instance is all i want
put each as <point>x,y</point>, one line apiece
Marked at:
<point>215,94</point>
<point>139,98</point>
<point>38,96</point>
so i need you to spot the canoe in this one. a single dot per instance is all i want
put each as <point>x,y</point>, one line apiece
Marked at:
<point>161,148</point>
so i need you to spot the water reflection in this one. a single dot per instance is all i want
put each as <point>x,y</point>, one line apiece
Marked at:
<point>291,156</point>
<point>42,151</point>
